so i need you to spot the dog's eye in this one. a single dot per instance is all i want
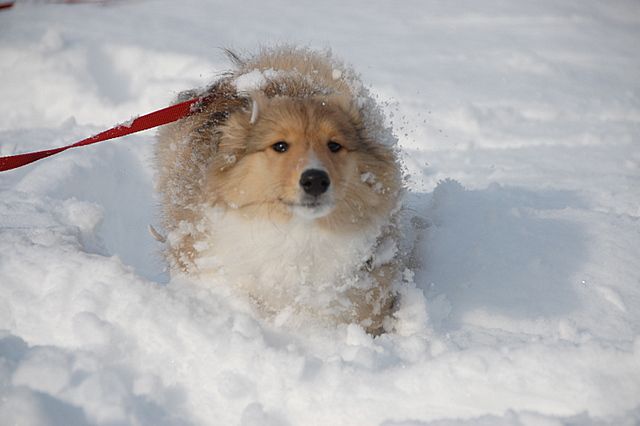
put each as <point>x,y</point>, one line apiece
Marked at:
<point>334,146</point>
<point>280,147</point>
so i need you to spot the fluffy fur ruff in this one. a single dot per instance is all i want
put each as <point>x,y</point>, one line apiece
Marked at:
<point>237,208</point>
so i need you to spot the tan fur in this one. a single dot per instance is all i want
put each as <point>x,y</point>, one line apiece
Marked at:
<point>218,158</point>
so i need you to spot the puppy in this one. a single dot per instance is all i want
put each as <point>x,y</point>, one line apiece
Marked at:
<point>285,184</point>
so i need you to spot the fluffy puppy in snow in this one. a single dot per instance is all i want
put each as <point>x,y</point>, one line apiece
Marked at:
<point>284,184</point>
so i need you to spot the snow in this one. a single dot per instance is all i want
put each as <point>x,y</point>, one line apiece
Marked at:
<point>519,125</point>
<point>250,81</point>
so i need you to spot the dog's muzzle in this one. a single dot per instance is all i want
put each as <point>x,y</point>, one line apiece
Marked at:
<point>316,200</point>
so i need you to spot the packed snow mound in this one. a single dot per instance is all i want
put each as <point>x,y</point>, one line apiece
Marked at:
<point>518,124</point>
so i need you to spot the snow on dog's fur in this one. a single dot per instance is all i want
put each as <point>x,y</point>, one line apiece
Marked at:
<point>284,183</point>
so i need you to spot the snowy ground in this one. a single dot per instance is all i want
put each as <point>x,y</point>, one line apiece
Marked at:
<point>520,124</point>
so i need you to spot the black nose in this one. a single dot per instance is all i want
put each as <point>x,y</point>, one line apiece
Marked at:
<point>315,182</point>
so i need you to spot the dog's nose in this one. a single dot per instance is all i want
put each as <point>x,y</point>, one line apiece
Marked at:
<point>315,182</point>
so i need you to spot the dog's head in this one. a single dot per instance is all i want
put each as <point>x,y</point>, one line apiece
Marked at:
<point>307,158</point>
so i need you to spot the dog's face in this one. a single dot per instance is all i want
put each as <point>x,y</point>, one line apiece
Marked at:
<point>303,158</point>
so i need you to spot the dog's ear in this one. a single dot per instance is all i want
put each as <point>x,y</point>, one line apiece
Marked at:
<point>258,104</point>
<point>347,105</point>
<point>235,131</point>
<point>254,103</point>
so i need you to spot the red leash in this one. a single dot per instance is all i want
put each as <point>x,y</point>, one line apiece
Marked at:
<point>154,119</point>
